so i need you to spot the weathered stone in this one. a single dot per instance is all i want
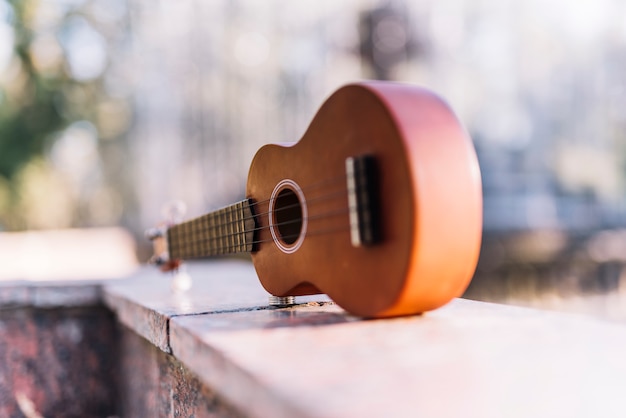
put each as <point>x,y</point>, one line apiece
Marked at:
<point>65,295</point>
<point>233,355</point>
<point>244,389</point>
<point>155,384</point>
<point>465,359</point>
<point>57,363</point>
<point>29,294</point>
<point>146,302</point>
<point>13,294</point>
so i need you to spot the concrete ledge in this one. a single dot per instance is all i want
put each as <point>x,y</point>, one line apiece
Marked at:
<point>233,355</point>
<point>313,360</point>
<point>466,359</point>
<point>155,384</point>
<point>58,362</point>
<point>146,302</point>
<point>28,294</point>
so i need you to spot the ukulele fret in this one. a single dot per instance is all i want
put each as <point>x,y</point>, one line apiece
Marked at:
<point>226,231</point>
<point>220,231</point>
<point>231,229</point>
<point>239,230</point>
<point>204,228</point>
<point>211,227</point>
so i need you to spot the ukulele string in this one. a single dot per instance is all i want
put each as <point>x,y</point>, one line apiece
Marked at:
<point>318,216</point>
<point>233,210</point>
<point>190,243</point>
<point>308,234</point>
<point>214,233</point>
<point>309,187</point>
<point>228,248</point>
<point>326,215</point>
<point>329,196</point>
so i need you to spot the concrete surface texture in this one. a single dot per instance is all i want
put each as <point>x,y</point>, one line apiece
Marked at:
<point>58,363</point>
<point>220,350</point>
<point>466,359</point>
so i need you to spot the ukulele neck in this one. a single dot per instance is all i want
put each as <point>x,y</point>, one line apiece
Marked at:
<point>228,230</point>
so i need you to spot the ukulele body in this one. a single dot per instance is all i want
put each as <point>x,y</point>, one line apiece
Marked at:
<point>428,204</point>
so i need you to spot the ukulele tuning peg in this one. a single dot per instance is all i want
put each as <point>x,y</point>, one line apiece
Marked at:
<point>158,260</point>
<point>154,233</point>
<point>174,211</point>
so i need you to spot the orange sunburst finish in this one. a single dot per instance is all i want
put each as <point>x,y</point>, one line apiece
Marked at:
<point>430,201</point>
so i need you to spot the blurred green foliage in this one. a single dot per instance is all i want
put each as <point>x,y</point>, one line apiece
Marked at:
<point>28,116</point>
<point>40,97</point>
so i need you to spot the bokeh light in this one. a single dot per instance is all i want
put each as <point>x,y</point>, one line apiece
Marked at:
<point>110,108</point>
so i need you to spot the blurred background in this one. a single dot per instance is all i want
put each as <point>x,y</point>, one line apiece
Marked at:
<point>109,109</point>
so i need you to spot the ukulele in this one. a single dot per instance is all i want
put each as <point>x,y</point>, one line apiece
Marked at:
<point>379,206</point>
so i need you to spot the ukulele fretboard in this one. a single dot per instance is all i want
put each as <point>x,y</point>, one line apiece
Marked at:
<point>226,231</point>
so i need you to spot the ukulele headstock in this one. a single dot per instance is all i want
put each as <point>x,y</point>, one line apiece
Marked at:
<point>160,257</point>
<point>174,213</point>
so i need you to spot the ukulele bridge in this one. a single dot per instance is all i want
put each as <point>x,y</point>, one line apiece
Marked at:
<point>363,200</point>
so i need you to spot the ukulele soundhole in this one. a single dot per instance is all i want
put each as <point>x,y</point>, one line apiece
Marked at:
<point>288,216</point>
